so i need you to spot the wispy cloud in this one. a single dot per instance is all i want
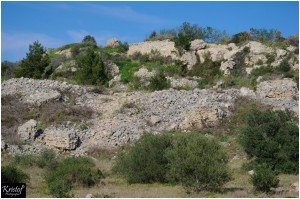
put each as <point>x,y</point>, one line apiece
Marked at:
<point>22,40</point>
<point>15,45</point>
<point>126,13</point>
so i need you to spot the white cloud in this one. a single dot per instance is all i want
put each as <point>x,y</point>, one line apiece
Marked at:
<point>15,45</point>
<point>16,41</point>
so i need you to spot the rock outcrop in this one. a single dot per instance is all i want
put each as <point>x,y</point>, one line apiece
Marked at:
<point>113,42</point>
<point>27,131</point>
<point>65,139</point>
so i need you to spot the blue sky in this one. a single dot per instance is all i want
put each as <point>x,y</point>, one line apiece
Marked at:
<point>57,23</point>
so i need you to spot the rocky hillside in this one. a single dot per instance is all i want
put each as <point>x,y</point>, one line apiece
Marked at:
<point>204,84</point>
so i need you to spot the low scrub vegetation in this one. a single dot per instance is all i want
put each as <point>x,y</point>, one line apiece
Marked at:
<point>11,174</point>
<point>70,172</point>
<point>271,137</point>
<point>190,159</point>
<point>264,178</point>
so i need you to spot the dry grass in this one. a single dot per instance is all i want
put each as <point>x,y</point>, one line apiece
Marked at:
<point>115,186</point>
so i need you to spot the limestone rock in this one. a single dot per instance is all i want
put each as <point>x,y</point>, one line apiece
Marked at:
<point>165,48</point>
<point>154,119</point>
<point>113,69</point>
<point>197,44</point>
<point>227,66</point>
<point>190,59</point>
<point>251,172</point>
<point>113,42</point>
<point>202,117</point>
<point>258,48</point>
<point>182,83</point>
<point>60,138</point>
<point>281,53</point>
<point>27,130</point>
<point>278,89</point>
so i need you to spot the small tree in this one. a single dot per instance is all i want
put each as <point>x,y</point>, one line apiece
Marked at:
<point>197,162</point>
<point>91,69</point>
<point>89,40</point>
<point>264,178</point>
<point>145,161</point>
<point>159,82</point>
<point>35,63</point>
<point>272,138</point>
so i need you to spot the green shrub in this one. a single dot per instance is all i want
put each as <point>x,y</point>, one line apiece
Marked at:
<point>272,138</point>
<point>69,172</point>
<point>182,42</point>
<point>197,162</point>
<point>145,161</point>
<point>270,58</point>
<point>284,66</point>
<point>47,158</point>
<point>35,63</point>
<point>240,38</point>
<point>264,178</point>
<point>11,174</point>
<point>89,41</point>
<point>159,82</point>
<point>91,69</point>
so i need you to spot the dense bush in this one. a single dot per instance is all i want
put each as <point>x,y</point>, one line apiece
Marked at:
<point>159,82</point>
<point>145,161</point>
<point>271,137</point>
<point>264,178</point>
<point>69,172</point>
<point>190,159</point>
<point>240,38</point>
<point>33,66</point>
<point>11,174</point>
<point>91,68</point>
<point>197,162</point>
<point>209,71</point>
<point>89,40</point>
<point>8,69</point>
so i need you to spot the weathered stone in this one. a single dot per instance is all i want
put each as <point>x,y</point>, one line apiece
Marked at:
<point>227,66</point>
<point>197,44</point>
<point>27,131</point>
<point>154,119</point>
<point>113,42</point>
<point>251,172</point>
<point>182,83</point>
<point>165,48</point>
<point>65,139</point>
<point>281,53</point>
<point>190,59</point>
<point>278,89</point>
<point>112,69</point>
<point>258,48</point>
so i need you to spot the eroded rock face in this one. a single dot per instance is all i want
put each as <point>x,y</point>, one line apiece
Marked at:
<point>113,42</point>
<point>278,89</point>
<point>65,139</point>
<point>197,44</point>
<point>165,48</point>
<point>38,91</point>
<point>27,131</point>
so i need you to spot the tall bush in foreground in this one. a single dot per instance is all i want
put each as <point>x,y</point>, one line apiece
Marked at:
<point>264,178</point>
<point>272,137</point>
<point>71,172</point>
<point>145,161</point>
<point>198,163</point>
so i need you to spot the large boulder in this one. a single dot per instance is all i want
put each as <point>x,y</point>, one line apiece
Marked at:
<point>202,117</point>
<point>113,42</point>
<point>27,131</point>
<point>258,48</point>
<point>197,44</point>
<point>190,59</point>
<point>65,139</point>
<point>165,48</point>
<point>227,66</point>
